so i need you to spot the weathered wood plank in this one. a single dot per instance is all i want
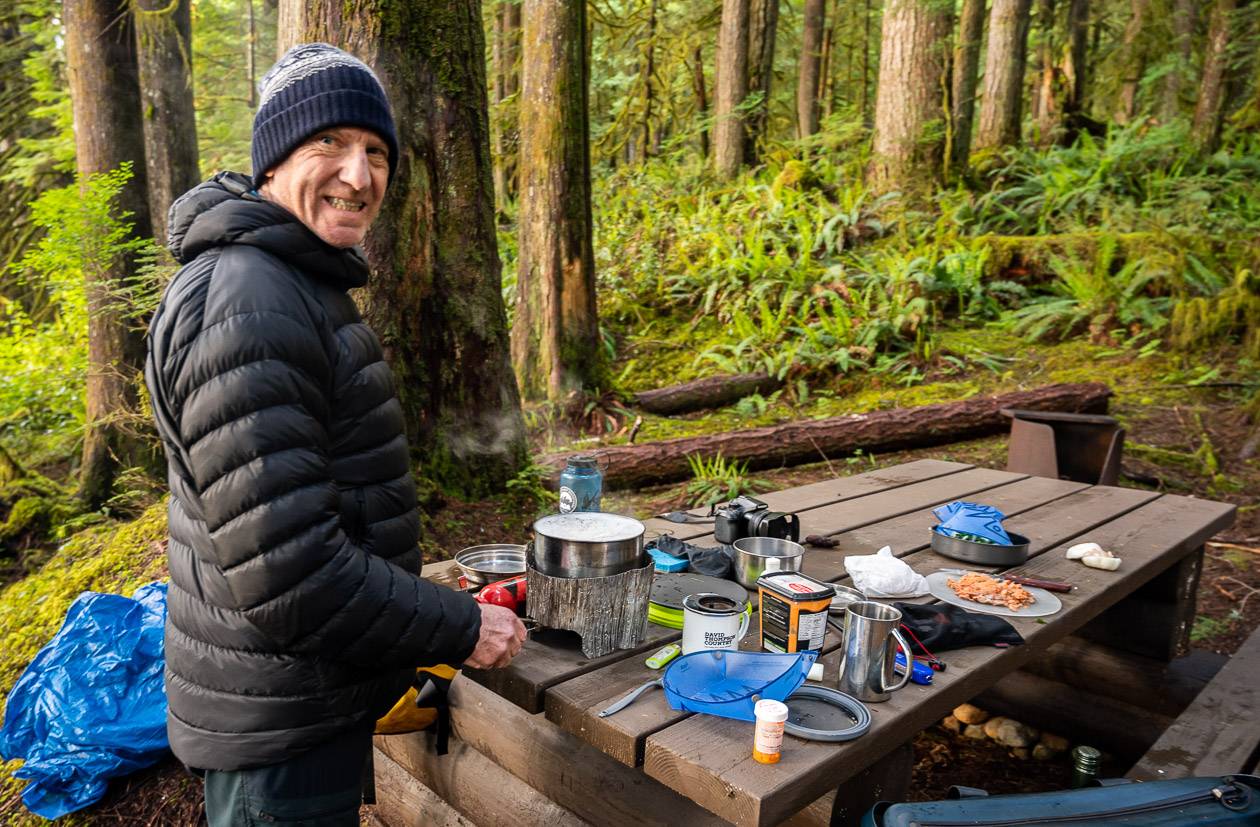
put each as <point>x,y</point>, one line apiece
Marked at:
<point>574,775</point>
<point>478,789</point>
<point>705,756</point>
<point>1219,733</point>
<point>403,801</point>
<point>818,494</point>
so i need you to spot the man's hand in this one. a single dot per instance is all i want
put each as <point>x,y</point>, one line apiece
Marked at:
<point>502,636</point>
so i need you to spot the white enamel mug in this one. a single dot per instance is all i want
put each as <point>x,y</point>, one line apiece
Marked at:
<point>711,621</point>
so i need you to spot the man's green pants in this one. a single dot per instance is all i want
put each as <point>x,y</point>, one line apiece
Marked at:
<point>319,788</point>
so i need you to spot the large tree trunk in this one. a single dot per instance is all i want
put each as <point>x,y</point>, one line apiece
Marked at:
<point>1075,68</point>
<point>1208,108</point>
<point>732,88</point>
<point>293,21</point>
<point>1048,99</point>
<point>164,38</point>
<point>555,335</point>
<point>1001,106</point>
<point>434,296</point>
<point>649,73</point>
<point>1132,61</point>
<point>909,106</point>
<point>710,392</point>
<point>808,74</point>
<point>105,94</point>
<point>763,28</point>
<point>812,440</point>
<point>506,60</point>
<point>1185,14</point>
<point>963,86</point>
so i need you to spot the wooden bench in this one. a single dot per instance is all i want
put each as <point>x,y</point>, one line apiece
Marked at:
<point>1219,733</point>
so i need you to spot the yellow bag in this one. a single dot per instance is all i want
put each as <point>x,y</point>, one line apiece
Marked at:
<point>424,704</point>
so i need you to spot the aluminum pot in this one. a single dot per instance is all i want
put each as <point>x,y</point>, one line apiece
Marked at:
<point>587,544</point>
<point>755,556</point>
<point>485,564</point>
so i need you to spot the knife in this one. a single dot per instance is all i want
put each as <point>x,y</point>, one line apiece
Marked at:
<point>1036,583</point>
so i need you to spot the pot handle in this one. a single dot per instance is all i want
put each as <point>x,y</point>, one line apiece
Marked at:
<point>905,647</point>
<point>630,698</point>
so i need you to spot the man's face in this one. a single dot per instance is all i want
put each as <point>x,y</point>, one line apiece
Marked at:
<point>333,182</point>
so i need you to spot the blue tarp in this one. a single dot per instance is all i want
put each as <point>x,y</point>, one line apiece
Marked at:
<point>91,705</point>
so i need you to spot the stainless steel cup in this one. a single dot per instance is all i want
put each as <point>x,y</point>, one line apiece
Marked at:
<point>755,556</point>
<point>870,646</point>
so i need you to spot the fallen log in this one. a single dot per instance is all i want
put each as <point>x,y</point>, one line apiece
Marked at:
<point>793,443</point>
<point>711,392</point>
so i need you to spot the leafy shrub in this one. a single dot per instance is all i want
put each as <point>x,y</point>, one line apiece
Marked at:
<point>716,480</point>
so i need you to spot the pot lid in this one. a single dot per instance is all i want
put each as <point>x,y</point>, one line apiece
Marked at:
<point>669,590</point>
<point>589,527</point>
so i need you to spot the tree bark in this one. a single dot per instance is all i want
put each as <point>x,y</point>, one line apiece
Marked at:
<point>506,59</point>
<point>763,28</point>
<point>1076,68</point>
<point>631,466</point>
<point>710,392</point>
<point>909,138</point>
<point>963,85</point>
<point>1208,109</point>
<point>105,94</point>
<point>649,72</point>
<point>434,297</point>
<point>809,74</point>
<point>1132,61</point>
<point>555,335</point>
<point>1185,14</point>
<point>732,88</point>
<point>293,19</point>
<point>1047,102</point>
<point>702,96</point>
<point>164,45</point>
<point>1001,105</point>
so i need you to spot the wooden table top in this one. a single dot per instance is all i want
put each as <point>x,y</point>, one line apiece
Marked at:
<point>708,759</point>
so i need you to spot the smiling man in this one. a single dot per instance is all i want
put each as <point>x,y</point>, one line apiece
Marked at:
<point>295,614</point>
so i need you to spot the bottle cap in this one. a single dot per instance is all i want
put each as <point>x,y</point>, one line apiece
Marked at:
<point>583,461</point>
<point>771,711</point>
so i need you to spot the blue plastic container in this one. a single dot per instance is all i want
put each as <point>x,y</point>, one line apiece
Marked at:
<point>581,485</point>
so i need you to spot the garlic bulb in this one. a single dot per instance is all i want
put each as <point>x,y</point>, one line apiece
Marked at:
<point>1079,550</point>
<point>1105,561</point>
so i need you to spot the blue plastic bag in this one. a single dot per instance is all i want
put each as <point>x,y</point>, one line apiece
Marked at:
<point>90,706</point>
<point>972,518</point>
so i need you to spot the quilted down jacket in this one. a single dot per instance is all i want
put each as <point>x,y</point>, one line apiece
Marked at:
<point>294,610</point>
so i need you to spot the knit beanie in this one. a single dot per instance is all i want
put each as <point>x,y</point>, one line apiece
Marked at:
<point>316,86</point>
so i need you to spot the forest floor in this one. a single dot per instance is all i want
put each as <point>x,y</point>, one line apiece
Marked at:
<point>1187,434</point>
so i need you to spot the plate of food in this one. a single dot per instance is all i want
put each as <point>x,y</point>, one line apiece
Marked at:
<point>979,592</point>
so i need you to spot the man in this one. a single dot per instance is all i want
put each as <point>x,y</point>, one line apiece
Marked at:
<point>295,614</point>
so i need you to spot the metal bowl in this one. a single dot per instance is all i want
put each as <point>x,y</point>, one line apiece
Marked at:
<point>983,553</point>
<point>755,556</point>
<point>486,564</point>
<point>587,544</point>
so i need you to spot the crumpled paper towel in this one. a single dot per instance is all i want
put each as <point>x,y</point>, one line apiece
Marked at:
<point>962,518</point>
<point>883,575</point>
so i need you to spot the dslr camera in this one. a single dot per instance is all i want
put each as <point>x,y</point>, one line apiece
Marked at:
<point>750,517</point>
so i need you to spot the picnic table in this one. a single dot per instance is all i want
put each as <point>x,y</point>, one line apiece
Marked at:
<point>528,746</point>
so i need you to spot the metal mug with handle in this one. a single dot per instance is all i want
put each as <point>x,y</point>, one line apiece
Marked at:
<point>871,640</point>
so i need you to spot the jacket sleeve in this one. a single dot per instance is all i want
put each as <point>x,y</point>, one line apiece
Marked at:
<point>252,396</point>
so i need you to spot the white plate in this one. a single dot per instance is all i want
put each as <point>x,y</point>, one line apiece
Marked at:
<point>1045,603</point>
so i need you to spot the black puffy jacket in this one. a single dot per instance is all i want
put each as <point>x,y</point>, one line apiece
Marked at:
<point>295,612</point>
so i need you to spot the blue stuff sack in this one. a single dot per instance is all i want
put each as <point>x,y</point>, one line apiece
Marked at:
<point>90,706</point>
<point>972,521</point>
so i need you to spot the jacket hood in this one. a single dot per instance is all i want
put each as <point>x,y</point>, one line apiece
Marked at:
<point>227,210</point>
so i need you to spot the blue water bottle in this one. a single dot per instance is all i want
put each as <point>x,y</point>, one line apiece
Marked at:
<point>581,484</point>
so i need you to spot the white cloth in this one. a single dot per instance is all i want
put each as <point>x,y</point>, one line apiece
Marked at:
<point>883,575</point>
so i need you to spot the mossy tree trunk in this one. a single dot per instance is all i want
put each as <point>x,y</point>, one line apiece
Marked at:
<point>1132,60</point>
<point>105,94</point>
<point>1005,58</point>
<point>164,43</point>
<point>732,88</point>
<point>1075,67</point>
<point>909,140</point>
<point>1184,17</point>
<point>702,96</point>
<point>1208,108</point>
<point>555,338</point>
<point>962,97</point>
<point>763,30</point>
<point>434,297</point>
<point>506,60</point>
<point>808,74</point>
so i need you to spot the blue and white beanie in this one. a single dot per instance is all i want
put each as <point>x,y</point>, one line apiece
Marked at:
<point>316,86</point>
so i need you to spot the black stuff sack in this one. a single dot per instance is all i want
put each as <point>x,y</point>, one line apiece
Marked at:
<point>941,627</point>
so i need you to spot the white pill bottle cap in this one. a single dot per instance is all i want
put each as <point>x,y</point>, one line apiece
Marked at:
<point>772,712</point>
